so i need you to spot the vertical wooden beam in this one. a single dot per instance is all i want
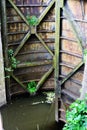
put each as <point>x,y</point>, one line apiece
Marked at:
<point>5,46</point>
<point>57,40</point>
<point>61,3</point>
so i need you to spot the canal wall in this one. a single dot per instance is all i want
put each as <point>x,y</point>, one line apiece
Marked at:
<point>2,77</point>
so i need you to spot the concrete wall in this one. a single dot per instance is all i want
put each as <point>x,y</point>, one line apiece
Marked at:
<point>2,77</point>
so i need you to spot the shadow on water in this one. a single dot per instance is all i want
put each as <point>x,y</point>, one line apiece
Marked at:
<point>22,114</point>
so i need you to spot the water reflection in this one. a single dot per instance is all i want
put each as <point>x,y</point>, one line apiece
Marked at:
<point>21,114</point>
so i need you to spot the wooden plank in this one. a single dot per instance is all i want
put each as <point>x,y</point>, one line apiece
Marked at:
<point>34,57</point>
<point>82,8</point>
<point>45,11</point>
<point>57,40</point>
<point>70,74</point>
<point>70,53</point>
<point>69,59</point>
<point>18,11</point>
<point>61,3</point>
<point>5,47</point>
<point>76,29</point>
<point>70,94</point>
<point>67,65</point>
<point>56,60</point>
<point>32,64</point>
<point>72,86</point>
<point>19,82</point>
<point>22,43</point>
<point>44,78</point>
<point>35,69</point>
<point>46,47</point>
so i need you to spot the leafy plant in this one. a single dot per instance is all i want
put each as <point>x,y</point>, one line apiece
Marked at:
<point>13,60</point>
<point>31,87</point>
<point>32,20</point>
<point>76,117</point>
<point>85,55</point>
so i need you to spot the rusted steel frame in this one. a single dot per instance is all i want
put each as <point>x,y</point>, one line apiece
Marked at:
<point>32,64</point>
<point>22,43</point>
<point>5,47</point>
<point>70,53</point>
<point>18,11</point>
<point>46,47</point>
<point>44,78</point>
<point>76,29</point>
<point>19,82</point>
<point>45,11</point>
<point>73,71</point>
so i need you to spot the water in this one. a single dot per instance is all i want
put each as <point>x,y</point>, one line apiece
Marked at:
<point>22,115</point>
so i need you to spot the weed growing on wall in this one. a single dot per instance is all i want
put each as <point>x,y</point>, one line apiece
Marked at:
<point>76,116</point>
<point>31,87</point>
<point>12,59</point>
<point>32,20</point>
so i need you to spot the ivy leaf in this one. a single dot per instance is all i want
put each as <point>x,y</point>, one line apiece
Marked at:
<point>32,20</point>
<point>76,116</point>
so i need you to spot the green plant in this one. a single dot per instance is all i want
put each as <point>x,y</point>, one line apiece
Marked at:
<point>76,116</point>
<point>13,60</point>
<point>85,55</point>
<point>32,20</point>
<point>31,87</point>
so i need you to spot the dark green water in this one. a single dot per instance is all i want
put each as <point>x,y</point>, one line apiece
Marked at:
<point>22,115</point>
